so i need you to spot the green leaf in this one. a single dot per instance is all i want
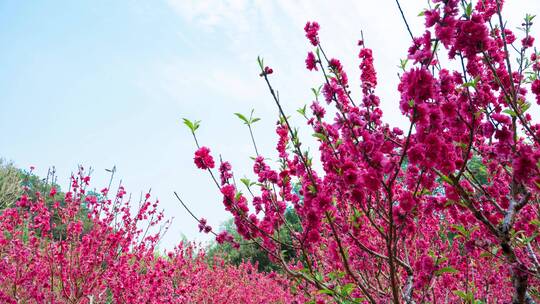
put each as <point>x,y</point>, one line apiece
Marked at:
<point>347,289</point>
<point>403,63</point>
<point>525,106</point>
<point>326,291</point>
<point>468,10</point>
<point>315,92</point>
<point>282,119</point>
<point>509,112</point>
<point>246,182</point>
<point>446,270</point>
<point>320,136</point>
<point>460,228</point>
<point>302,110</point>
<point>447,179</point>
<point>336,275</point>
<point>472,83</point>
<point>254,120</point>
<point>485,255</point>
<point>260,61</point>
<point>243,118</point>
<point>529,18</point>
<point>192,125</point>
<point>460,294</point>
<point>441,260</point>
<point>238,195</point>
<point>527,240</point>
<point>188,123</point>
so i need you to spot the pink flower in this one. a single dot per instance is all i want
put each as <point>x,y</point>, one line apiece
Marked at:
<point>535,89</point>
<point>268,70</point>
<point>317,109</point>
<point>223,237</point>
<point>445,31</point>
<point>527,41</point>
<point>23,201</point>
<point>524,164</point>
<point>335,64</point>
<point>432,17</point>
<point>472,36</point>
<point>509,35</point>
<point>368,75</point>
<point>311,62</point>
<point>501,118</point>
<point>312,29</point>
<point>52,193</point>
<point>417,86</point>
<point>283,133</point>
<point>225,172</point>
<point>337,68</point>
<point>329,90</point>
<point>203,159</point>
<point>203,226</point>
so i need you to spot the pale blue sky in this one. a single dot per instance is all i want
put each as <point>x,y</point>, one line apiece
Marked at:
<point>105,83</point>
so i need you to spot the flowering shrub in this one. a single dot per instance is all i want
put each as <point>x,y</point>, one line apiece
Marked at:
<point>445,210</point>
<point>112,258</point>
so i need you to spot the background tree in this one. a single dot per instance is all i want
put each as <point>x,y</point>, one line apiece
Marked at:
<point>10,184</point>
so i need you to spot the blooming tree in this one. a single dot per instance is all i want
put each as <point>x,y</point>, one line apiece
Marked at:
<point>112,259</point>
<point>445,210</point>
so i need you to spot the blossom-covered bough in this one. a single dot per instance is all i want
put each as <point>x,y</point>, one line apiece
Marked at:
<point>445,210</point>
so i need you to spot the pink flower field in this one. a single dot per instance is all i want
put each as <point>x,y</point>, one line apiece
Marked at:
<point>444,208</point>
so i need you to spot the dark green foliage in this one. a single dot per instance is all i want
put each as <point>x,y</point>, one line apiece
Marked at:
<point>250,251</point>
<point>478,170</point>
<point>15,182</point>
<point>10,184</point>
